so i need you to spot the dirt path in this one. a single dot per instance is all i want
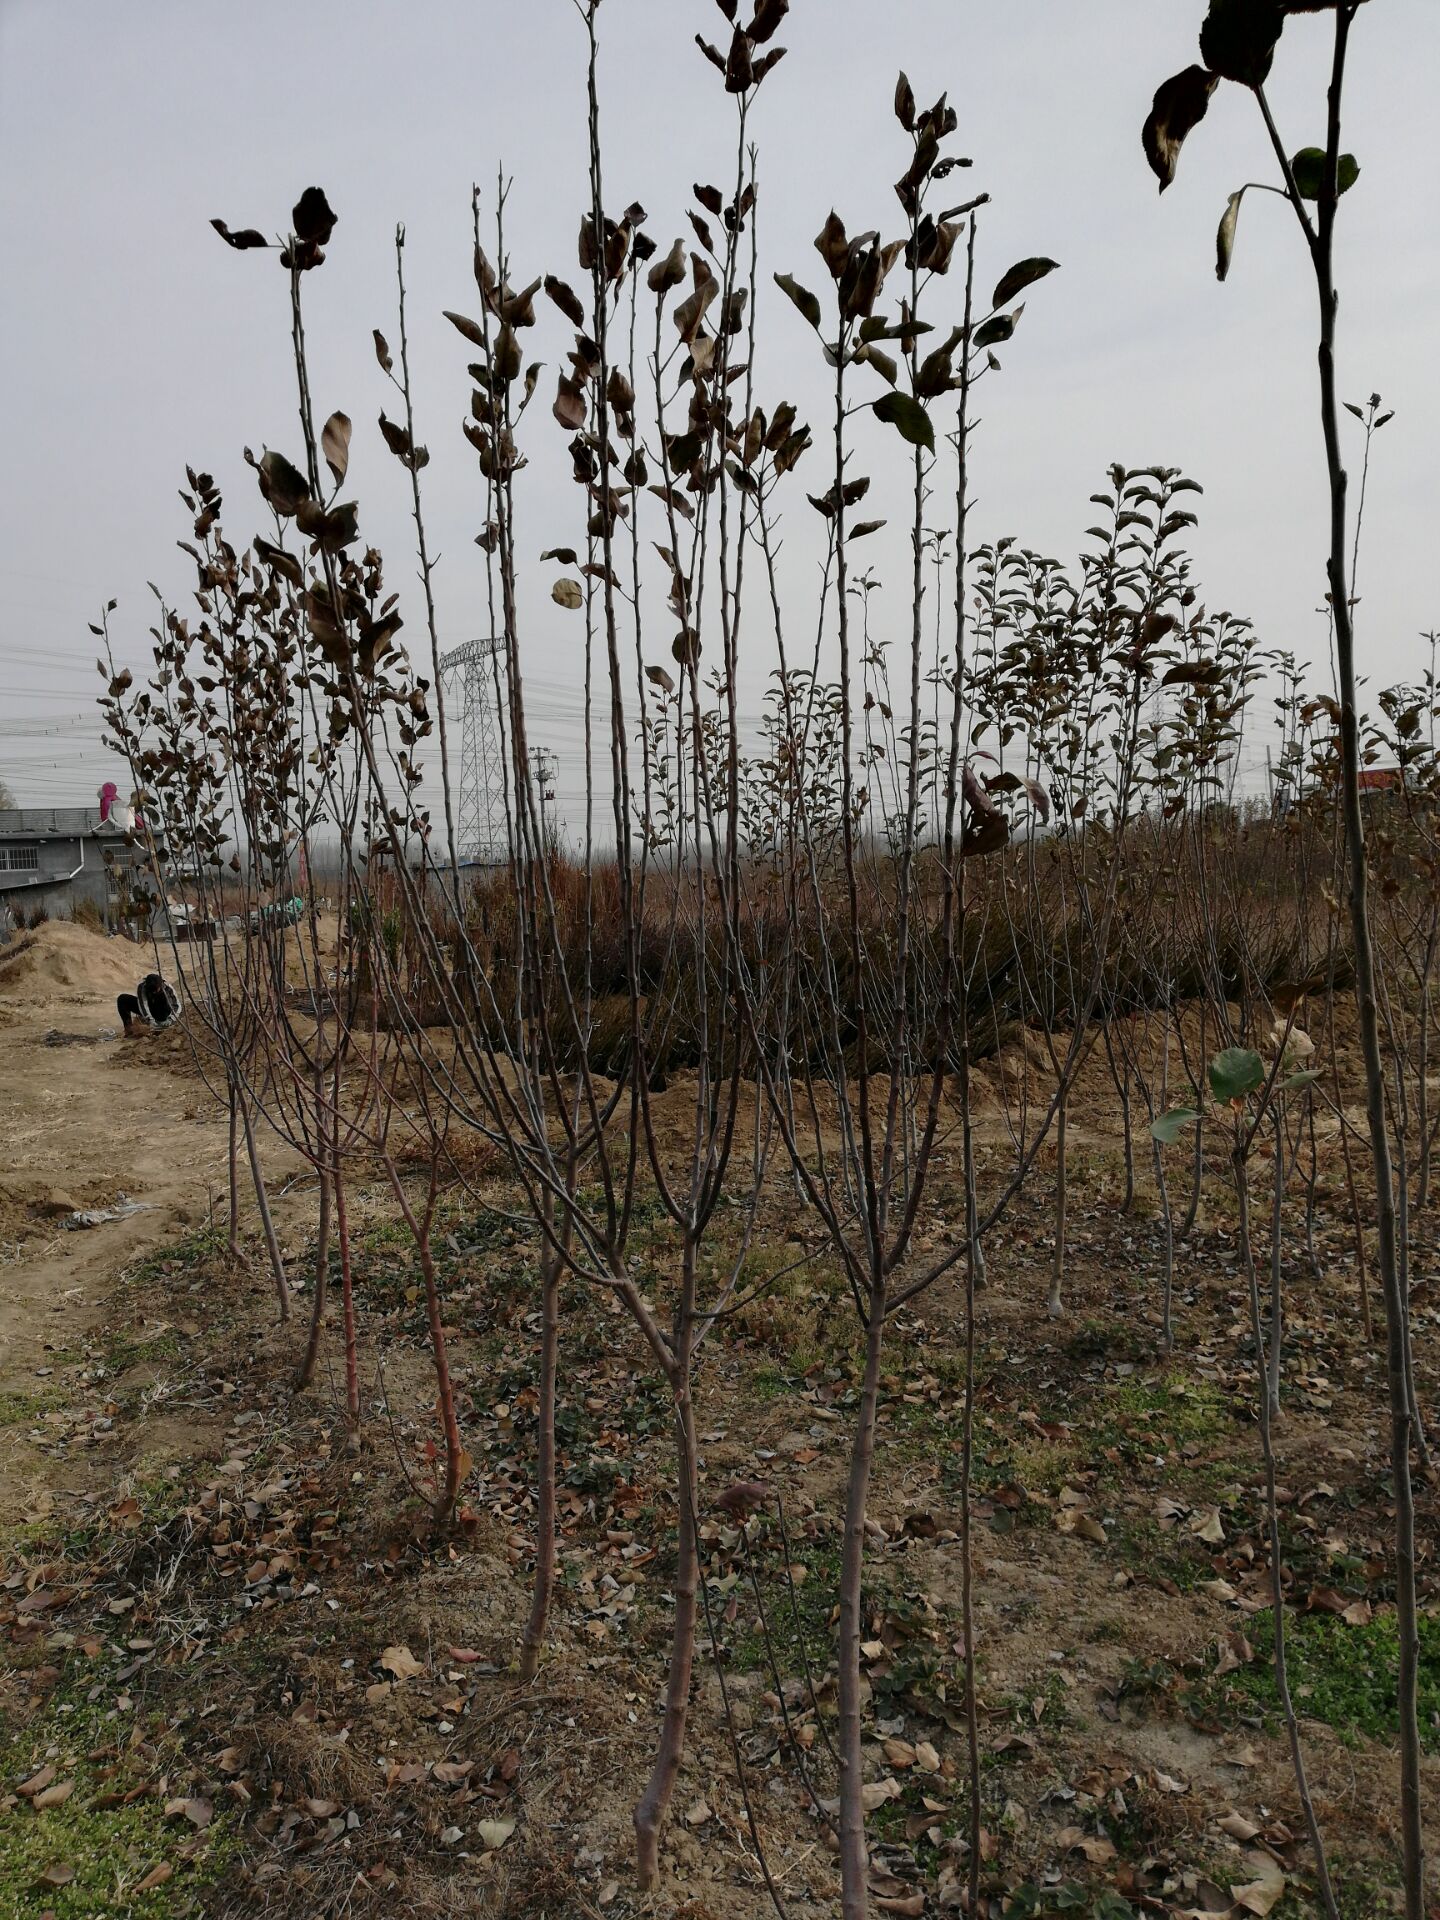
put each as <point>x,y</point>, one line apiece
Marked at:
<point>80,1124</point>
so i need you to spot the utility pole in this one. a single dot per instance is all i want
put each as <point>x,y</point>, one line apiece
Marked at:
<point>543,768</point>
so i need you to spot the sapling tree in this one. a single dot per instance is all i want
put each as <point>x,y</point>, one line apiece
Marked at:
<point>1238,41</point>
<point>1249,1095</point>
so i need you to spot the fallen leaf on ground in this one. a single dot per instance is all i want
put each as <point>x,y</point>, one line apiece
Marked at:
<point>402,1663</point>
<point>1235,1652</point>
<point>1206,1525</point>
<point>494,1833</point>
<point>1260,1894</point>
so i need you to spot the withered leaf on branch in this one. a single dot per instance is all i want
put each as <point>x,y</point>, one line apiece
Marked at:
<point>668,272</point>
<point>246,237</point>
<point>465,325</point>
<point>768,15</point>
<point>1020,276</point>
<point>283,563</point>
<point>281,484</point>
<point>1179,107</point>
<point>518,309</point>
<point>566,299</point>
<point>396,438</point>
<point>335,444</point>
<point>739,68</point>
<point>1238,38</point>
<point>803,298</point>
<point>569,408</point>
<point>313,217</point>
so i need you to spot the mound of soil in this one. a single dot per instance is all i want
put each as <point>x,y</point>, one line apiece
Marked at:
<point>29,1206</point>
<point>63,958</point>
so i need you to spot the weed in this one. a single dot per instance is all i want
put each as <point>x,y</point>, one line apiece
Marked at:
<point>107,1847</point>
<point>1343,1675</point>
<point>24,1409</point>
<point>186,1256</point>
<point>799,1616</point>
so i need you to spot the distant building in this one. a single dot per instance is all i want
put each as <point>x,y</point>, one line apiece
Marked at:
<point>57,858</point>
<point>1379,782</point>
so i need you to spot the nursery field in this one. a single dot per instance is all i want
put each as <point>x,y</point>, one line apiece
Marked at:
<point>763,1237</point>
<point>243,1674</point>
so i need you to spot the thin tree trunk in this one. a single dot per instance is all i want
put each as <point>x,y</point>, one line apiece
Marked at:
<point>232,1168</point>
<point>1167,1278</point>
<point>347,1308</point>
<point>545,1529</point>
<point>854,1897</point>
<point>649,1815</point>
<point>1396,1320</point>
<point>1277,1299</point>
<point>262,1201</point>
<point>1277,1571</point>
<point>1055,1304</point>
<point>322,1274</point>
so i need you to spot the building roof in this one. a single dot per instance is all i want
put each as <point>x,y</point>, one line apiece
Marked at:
<point>53,823</point>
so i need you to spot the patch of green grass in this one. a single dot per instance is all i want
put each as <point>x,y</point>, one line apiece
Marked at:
<point>771,1383</point>
<point>1070,1897</point>
<point>1343,1675</point>
<point>1152,1552</point>
<point>187,1255</point>
<point>126,1350</point>
<point>107,1850</point>
<point>1360,1894</point>
<point>798,1617</point>
<point>1105,1339</point>
<point>1179,1411</point>
<point>24,1409</point>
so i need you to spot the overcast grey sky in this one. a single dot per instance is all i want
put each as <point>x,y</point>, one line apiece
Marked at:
<point>134,341</point>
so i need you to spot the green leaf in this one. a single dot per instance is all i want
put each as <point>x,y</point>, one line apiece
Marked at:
<point>803,298</point>
<point>1225,238</point>
<point>899,410</point>
<point>1020,276</point>
<point>1169,1127</point>
<point>1234,1072</point>
<point>1306,1077</point>
<point>1308,167</point>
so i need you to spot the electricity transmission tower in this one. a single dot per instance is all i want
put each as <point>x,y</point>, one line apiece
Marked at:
<point>468,675</point>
